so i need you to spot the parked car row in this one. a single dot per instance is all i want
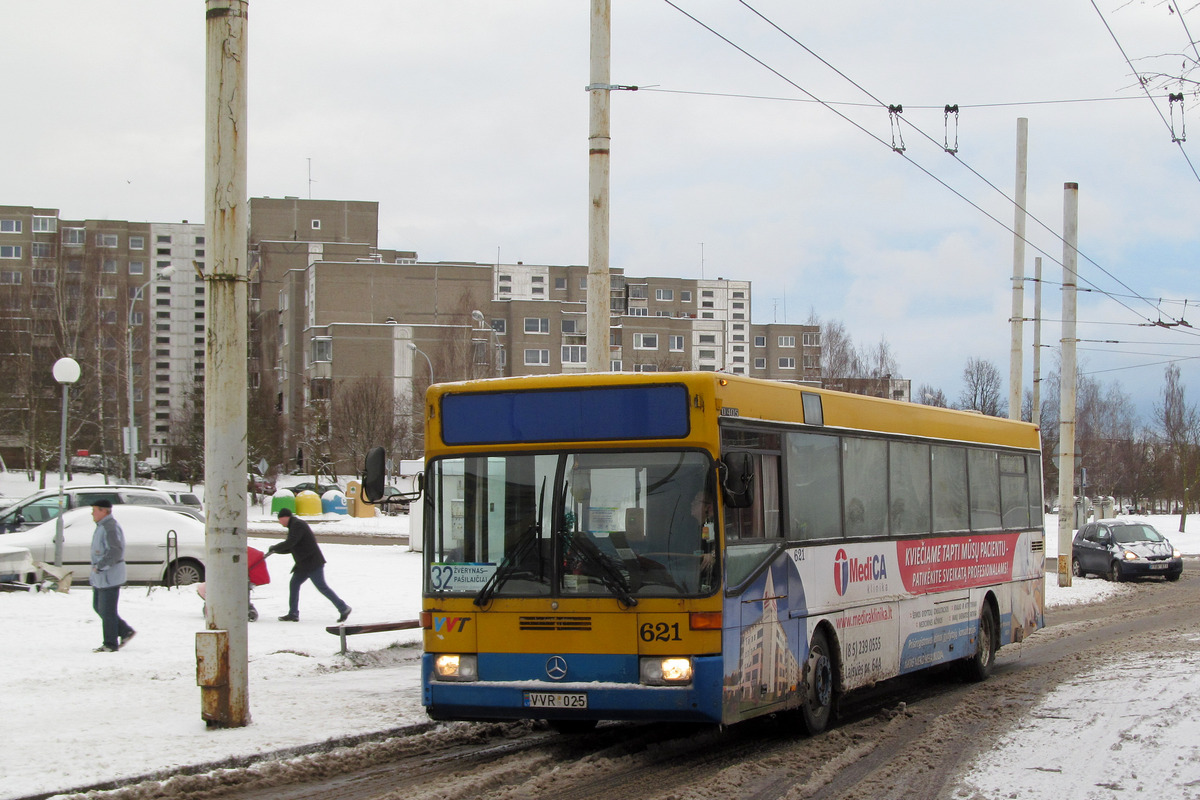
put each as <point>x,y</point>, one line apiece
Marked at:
<point>163,544</point>
<point>42,506</point>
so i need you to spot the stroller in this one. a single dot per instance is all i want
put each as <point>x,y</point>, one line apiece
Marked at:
<point>257,575</point>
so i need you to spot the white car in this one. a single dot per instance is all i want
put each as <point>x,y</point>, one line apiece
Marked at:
<point>16,564</point>
<point>152,554</point>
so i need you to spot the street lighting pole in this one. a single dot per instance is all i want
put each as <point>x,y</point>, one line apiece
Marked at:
<point>416,349</point>
<point>66,372</point>
<point>131,439</point>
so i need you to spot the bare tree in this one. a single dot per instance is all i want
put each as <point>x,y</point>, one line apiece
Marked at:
<point>1179,424</point>
<point>368,413</point>
<point>838,356</point>
<point>928,396</point>
<point>983,388</point>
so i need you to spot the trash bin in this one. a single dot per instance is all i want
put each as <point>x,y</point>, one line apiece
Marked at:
<point>333,502</point>
<point>355,505</point>
<point>308,504</point>
<point>281,500</point>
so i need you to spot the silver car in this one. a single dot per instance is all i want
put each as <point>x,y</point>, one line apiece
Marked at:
<point>42,506</point>
<point>161,545</point>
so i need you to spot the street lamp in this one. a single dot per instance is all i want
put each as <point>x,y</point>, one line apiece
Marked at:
<point>493,347</point>
<point>131,437</point>
<point>66,372</point>
<point>416,349</point>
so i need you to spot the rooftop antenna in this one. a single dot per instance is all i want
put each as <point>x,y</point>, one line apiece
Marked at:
<point>702,261</point>
<point>310,179</point>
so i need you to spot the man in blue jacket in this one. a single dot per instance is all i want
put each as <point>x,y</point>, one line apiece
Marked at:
<point>108,576</point>
<point>310,565</point>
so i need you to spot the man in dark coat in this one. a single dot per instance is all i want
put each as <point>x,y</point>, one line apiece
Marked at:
<point>108,576</point>
<point>310,565</point>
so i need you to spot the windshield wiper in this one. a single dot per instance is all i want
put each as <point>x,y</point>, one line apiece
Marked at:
<point>610,575</point>
<point>508,565</point>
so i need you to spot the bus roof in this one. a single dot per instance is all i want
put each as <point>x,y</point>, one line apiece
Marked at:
<point>714,395</point>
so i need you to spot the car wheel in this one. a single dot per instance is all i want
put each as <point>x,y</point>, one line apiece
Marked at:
<point>1077,570</point>
<point>1114,572</point>
<point>816,709</point>
<point>979,666</point>
<point>185,572</point>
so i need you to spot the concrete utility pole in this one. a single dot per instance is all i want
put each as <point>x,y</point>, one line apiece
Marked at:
<point>1066,426</point>
<point>1037,342</point>
<point>598,300</point>
<point>221,650</point>
<point>1018,280</point>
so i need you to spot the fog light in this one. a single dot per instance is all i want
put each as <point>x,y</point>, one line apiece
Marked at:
<point>454,667</point>
<point>666,671</point>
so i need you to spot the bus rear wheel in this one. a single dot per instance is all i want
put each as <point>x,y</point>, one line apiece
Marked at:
<point>817,706</point>
<point>979,666</point>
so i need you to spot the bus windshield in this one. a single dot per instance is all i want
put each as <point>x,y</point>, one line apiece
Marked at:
<point>624,525</point>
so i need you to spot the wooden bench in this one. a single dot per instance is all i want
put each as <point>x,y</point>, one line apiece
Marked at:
<point>342,631</point>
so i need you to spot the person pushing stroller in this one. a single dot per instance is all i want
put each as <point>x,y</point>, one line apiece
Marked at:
<point>310,565</point>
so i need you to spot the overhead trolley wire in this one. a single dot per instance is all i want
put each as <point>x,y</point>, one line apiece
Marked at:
<point>896,119</point>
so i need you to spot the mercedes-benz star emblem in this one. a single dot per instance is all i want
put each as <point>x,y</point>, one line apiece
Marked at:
<point>556,668</point>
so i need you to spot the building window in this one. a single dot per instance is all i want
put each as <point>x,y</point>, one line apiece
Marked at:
<point>760,363</point>
<point>685,295</point>
<point>109,266</point>
<point>706,315</point>
<point>10,277</point>
<point>664,294</point>
<point>137,267</point>
<point>199,240</point>
<point>106,240</point>
<point>322,349</point>
<point>707,354</point>
<point>812,340</point>
<point>163,251</point>
<point>760,341</point>
<point>583,283</point>
<point>708,338</point>
<point>539,290</point>
<point>570,326</point>
<point>45,224</point>
<point>41,250</point>
<point>560,283</point>
<point>44,276</point>
<point>320,388</point>
<point>10,251</point>
<point>136,318</point>
<point>645,341</point>
<point>706,293</point>
<point>637,292</point>
<point>787,341</point>
<point>537,358</point>
<point>537,279</point>
<point>316,224</point>
<point>739,316</point>
<point>163,239</point>
<point>106,292</point>
<point>10,226</point>
<point>74,236</point>
<point>787,363</point>
<point>645,367</point>
<point>574,354</point>
<point>675,344</point>
<point>499,325</point>
<point>537,324</point>
<point>137,242</point>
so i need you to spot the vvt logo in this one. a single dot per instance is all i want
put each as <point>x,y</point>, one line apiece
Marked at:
<point>852,570</point>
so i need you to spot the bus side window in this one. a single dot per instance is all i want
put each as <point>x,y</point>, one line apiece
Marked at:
<point>760,519</point>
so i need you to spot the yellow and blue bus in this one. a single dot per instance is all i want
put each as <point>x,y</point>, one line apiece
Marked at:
<point>708,547</point>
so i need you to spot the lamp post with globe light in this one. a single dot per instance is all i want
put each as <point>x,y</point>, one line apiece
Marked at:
<point>66,372</point>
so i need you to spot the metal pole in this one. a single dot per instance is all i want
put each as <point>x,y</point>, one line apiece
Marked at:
<point>62,477</point>
<point>130,438</point>
<point>1066,426</point>
<point>416,349</point>
<point>1018,278</point>
<point>221,650</point>
<point>1036,416</point>
<point>599,284</point>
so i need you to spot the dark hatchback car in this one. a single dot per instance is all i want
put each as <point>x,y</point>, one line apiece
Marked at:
<point>1123,549</point>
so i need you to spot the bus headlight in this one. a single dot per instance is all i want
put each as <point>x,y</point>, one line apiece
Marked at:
<point>454,667</point>
<point>666,671</point>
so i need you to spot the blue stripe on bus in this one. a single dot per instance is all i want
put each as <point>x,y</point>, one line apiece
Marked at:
<point>608,698</point>
<point>588,414</point>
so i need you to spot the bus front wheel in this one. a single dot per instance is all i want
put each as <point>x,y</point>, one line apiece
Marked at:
<point>817,707</point>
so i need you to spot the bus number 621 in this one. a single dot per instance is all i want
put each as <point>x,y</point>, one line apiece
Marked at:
<point>660,632</point>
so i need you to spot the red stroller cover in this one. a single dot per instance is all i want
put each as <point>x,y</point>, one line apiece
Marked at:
<point>256,563</point>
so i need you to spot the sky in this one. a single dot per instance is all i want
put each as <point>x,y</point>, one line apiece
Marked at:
<point>467,121</point>
<point>152,724</point>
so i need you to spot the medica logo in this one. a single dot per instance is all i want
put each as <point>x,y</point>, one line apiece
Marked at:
<point>855,570</point>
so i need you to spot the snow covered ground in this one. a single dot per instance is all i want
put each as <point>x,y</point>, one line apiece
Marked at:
<point>74,718</point>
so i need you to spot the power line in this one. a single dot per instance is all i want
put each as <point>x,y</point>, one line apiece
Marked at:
<point>892,113</point>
